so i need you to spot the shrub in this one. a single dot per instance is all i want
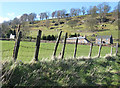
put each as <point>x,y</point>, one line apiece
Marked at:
<point>72,23</point>
<point>49,37</point>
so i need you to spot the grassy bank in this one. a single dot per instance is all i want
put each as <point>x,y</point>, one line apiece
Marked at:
<point>70,72</point>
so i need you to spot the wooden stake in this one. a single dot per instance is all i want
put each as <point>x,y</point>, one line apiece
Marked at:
<point>90,53</point>
<point>75,48</point>
<point>111,50</point>
<point>116,49</point>
<point>63,50</point>
<point>37,45</point>
<point>17,44</point>
<point>57,43</point>
<point>100,47</point>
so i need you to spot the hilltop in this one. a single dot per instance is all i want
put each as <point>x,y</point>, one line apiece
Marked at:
<point>55,25</point>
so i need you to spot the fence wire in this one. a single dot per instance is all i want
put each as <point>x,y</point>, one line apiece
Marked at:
<point>7,49</point>
<point>27,50</point>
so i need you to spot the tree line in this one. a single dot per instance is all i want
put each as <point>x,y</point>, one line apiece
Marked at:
<point>100,10</point>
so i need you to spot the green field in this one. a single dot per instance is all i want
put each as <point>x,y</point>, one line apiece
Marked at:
<point>27,50</point>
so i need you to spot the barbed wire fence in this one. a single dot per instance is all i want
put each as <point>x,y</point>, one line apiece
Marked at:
<point>7,49</point>
<point>27,49</point>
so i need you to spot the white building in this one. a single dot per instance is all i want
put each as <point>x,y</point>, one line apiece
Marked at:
<point>12,36</point>
<point>81,39</point>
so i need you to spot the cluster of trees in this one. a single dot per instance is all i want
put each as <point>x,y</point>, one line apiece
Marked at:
<point>59,14</point>
<point>49,37</point>
<point>25,17</point>
<point>44,15</point>
<point>101,10</point>
<point>52,37</point>
<point>74,35</point>
<point>5,26</point>
<point>73,12</point>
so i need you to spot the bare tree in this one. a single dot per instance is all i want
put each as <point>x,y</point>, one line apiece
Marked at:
<point>100,10</point>
<point>41,16</point>
<point>106,8</point>
<point>83,9</point>
<point>78,11</point>
<point>115,12</point>
<point>47,14</point>
<point>75,12</point>
<point>89,10</point>
<point>14,23</point>
<point>53,14</point>
<point>31,17</point>
<point>103,9</point>
<point>72,11</point>
<point>59,14</point>
<point>44,15</point>
<point>24,18</point>
<point>63,12</point>
<point>93,11</point>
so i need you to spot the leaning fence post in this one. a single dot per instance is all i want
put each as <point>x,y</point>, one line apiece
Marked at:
<point>99,50</point>
<point>57,43</point>
<point>116,49</point>
<point>18,30</point>
<point>19,27</point>
<point>63,50</point>
<point>90,53</point>
<point>75,48</point>
<point>17,44</point>
<point>111,50</point>
<point>37,45</point>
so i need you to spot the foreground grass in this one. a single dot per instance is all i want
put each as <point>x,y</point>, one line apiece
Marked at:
<point>70,72</point>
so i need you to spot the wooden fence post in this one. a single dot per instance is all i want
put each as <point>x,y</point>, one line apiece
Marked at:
<point>75,48</point>
<point>17,44</point>
<point>19,27</point>
<point>90,53</point>
<point>100,48</point>
<point>37,45</point>
<point>57,43</point>
<point>116,49</point>
<point>63,50</point>
<point>111,50</point>
<point>17,31</point>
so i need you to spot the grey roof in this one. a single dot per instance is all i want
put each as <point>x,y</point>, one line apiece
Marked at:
<point>105,36</point>
<point>80,37</point>
<point>76,38</point>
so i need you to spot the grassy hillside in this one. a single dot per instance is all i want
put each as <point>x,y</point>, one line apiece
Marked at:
<point>53,26</point>
<point>70,72</point>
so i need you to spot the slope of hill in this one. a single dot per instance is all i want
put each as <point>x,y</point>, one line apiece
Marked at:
<point>53,26</point>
